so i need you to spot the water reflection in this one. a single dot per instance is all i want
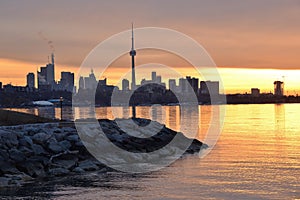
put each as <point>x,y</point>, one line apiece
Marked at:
<point>279,117</point>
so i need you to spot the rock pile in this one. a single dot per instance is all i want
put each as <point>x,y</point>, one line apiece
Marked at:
<point>54,149</point>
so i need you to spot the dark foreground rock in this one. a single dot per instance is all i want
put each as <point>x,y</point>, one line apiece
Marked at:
<point>55,149</point>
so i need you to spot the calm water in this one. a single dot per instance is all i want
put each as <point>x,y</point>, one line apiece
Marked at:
<point>257,157</point>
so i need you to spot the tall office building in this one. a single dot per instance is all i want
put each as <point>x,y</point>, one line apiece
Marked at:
<point>194,83</point>
<point>30,80</point>
<point>278,88</point>
<point>46,76</point>
<point>172,85</point>
<point>209,88</point>
<point>125,85</point>
<point>91,81</point>
<point>153,76</point>
<point>81,83</point>
<point>67,81</point>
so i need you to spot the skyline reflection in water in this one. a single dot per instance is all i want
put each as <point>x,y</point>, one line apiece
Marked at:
<point>257,157</point>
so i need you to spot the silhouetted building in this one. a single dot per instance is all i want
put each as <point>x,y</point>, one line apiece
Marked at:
<point>255,92</point>
<point>194,82</point>
<point>0,85</point>
<point>153,76</point>
<point>103,82</point>
<point>125,85</point>
<point>172,85</point>
<point>183,87</point>
<point>158,79</point>
<point>278,88</point>
<point>30,80</point>
<point>67,81</point>
<point>90,82</point>
<point>81,83</point>
<point>46,76</point>
<point>209,88</point>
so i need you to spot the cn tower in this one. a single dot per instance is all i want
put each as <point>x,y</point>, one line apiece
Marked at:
<point>132,54</point>
<point>133,84</point>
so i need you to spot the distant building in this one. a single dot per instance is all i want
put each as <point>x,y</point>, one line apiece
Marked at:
<point>172,85</point>
<point>183,87</point>
<point>153,76</point>
<point>125,85</point>
<point>90,82</point>
<point>46,76</point>
<point>103,82</point>
<point>67,81</point>
<point>0,85</point>
<point>255,92</point>
<point>81,83</point>
<point>30,80</point>
<point>158,79</point>
<point>194,82</point>
<point>209,88</point>
<point>278,88</point>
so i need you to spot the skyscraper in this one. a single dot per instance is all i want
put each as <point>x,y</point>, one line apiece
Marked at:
<point>67,81</point>
<point>125,85</point>
<point>46,76</point>
<point>30,80</point>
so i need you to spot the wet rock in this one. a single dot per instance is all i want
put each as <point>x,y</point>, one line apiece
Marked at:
<point>8,168</point>
<point>32,168</point>
<point>55,147</point>
<point>16,155</point>
<point>40,138</point>
<point>78,170</point>
<point>26,141</point>
<point>59,171</point>
<point>4,181</point>
<point>38,150</point>
<point>73,138</point>
<point>9,138</point>
<point>65,144</point>
<point>68,164</point>
<point>88,165</point>
<point>4,155</point>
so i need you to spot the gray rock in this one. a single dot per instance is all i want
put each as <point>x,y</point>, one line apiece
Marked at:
<point>33,169</point>
<point>8,168</point>
<point>26,141</point>
<point>88,165</point>
<point>41,159</point>
<point>38,150</point>
<point>31,131</point>
<point>60,136</point>
<point>67,164</point>
<point>65,144</point>
<point>79,144</point>
<point>16,155</point>
<point>3,155</point>
<point>9,138</point>
<point>73,138</point>
<point>59,171</point>
<point>55,147</point>
<point>40,138</point>
<point>4,181</point>
<point>78,170</point>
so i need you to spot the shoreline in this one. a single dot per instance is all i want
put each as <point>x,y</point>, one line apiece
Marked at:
<point>29,152</point>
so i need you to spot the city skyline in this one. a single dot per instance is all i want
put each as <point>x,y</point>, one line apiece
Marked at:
<point>253,38</point>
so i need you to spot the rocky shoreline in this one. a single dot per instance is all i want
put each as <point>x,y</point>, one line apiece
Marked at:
<point>32,151</point>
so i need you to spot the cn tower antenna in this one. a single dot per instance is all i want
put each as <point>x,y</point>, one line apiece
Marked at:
<point>133,83</point>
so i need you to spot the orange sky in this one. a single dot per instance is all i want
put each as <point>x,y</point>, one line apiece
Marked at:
<point>254,41</point>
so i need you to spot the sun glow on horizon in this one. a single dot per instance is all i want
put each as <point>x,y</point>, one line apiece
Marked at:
<point>235,80</point>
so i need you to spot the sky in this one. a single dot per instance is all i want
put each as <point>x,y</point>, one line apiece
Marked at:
<point>253,42</point>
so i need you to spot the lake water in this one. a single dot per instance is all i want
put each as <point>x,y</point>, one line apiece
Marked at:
<point>257,156</point>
